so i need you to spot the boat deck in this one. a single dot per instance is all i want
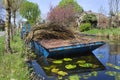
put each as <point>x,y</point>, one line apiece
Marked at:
<point>54,43</point>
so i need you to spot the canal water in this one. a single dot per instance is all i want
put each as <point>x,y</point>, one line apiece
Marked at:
<point>109,56</point>
<point>106,56</point>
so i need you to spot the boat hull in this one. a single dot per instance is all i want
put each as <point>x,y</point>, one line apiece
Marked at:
<point>65,51</point>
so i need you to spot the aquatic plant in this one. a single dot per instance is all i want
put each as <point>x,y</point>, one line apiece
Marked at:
<point>67,59</point>
<point>62,73</point>
<point>81,62</point>
<point>74,77</point>
<point>95,66</point>
<point>87,65</point>
<point>49,67</point>
<point>113,66</point>
<point>58,72</point>
<point>70,66</point>
<point>111,73</point>
<point>55,70</point>
<point>57,61</point>
<point>94,73</point>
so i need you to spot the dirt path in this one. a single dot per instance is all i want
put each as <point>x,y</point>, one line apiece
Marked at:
<point>2,33</point>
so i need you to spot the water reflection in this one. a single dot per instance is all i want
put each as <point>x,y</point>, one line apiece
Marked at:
<point>115,54</point>
<point>102,54</point>
<point>109,56</point>
<point>114,48</point>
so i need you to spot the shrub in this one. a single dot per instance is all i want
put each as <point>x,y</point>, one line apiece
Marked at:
<point>85,27</point>
<point>61,15</point>
<point>90,18</point>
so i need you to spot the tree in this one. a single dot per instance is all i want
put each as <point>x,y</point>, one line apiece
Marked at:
<point>15,5</point>
<point>76,6</point>
<point>114,11</point>
<point>110,12</point>
<point>2,10</point>
<point>30,11</point>
<point>101,17</point>
<point>7,25</point>
<point>117,3</point>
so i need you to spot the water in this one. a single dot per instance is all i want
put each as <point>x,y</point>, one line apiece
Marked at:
<point>107,56</point>
<point>85,59</point>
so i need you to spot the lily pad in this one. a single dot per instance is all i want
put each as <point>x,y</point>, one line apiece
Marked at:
<point>95,66</point>
<point>87,65</point>
<point>57,61</point>
<point>70,66</point>
<point>60,77</point>
<point>81,62</point>
<point>74,77</point>
<point>85,77</point>
<point>95,73</point>
<point>55,70</point>
<point>117,67</point>
<point>111,73</point>
<point>109,64</point>
<point>67,59</point>
<point>62,73</point>
<point>47,68</point>
<point>100,56</point>
<point>113,66</point>
<point>50,67</point>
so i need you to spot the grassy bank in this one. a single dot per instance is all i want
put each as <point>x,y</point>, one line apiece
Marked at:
<point>12,66</point>
<point>113,33</point>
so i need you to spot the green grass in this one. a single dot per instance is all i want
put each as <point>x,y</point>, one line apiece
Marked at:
<point>104,32</point>
<point>13,66</point>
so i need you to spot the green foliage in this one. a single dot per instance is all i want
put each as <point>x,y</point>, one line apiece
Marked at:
<point>111,33</point>
<point>2,44</point>
<point>76,6</point>
<point>104,31</point>
<point>12,66</point>
<point>30,11</point>
<point>90,18</point>
<point>85,27</point>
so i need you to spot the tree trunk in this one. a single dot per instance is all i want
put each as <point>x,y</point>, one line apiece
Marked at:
<point>14,16</point>
<point>110,21</point>
<point>10,31</point>
<point>7,31</point>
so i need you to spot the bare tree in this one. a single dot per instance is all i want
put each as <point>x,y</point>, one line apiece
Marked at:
<point>114,11</point>
<point>102,10</point>
<point>117,11</point>
<point>100,17</point>
<point>110,11</point>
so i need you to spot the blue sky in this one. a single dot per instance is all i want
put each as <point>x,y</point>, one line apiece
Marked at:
<point>93,5</point>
